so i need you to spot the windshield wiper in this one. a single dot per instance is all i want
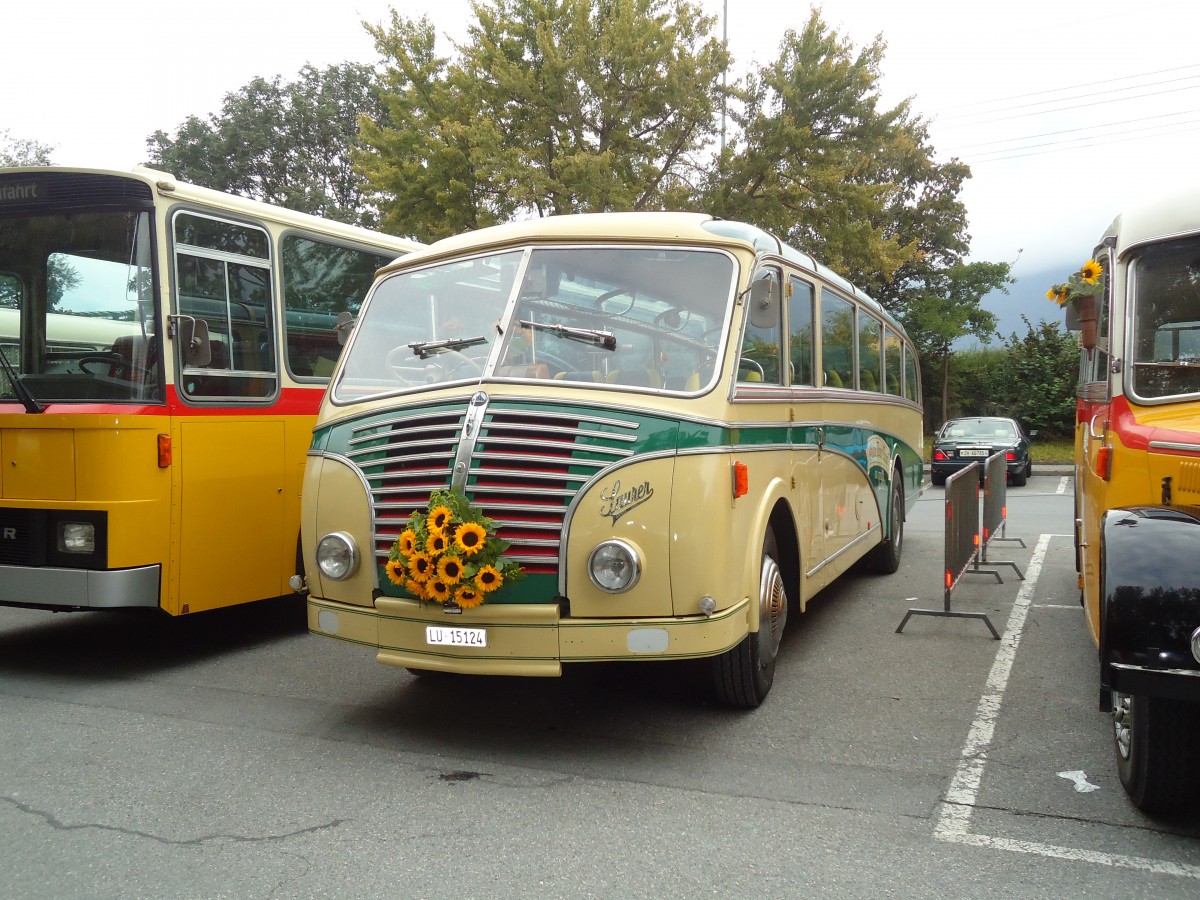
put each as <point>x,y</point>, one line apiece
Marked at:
<point>18,386</point>
<point>425,349</point>
<point>606,340</point>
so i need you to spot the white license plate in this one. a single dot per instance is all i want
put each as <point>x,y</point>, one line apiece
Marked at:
<point>441,636</point>
<point>970,452</point>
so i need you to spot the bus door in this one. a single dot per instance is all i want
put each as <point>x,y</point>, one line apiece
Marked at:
<point>1093,413</point>
<point>230,441</point>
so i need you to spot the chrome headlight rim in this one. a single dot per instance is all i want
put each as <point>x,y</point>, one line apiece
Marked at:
<point>632,556</point>
<point>349,552</point>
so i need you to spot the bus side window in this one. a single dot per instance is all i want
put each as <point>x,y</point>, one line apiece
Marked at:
<point>762,342</point>
<point>837,340</point>
<point>800,329</point>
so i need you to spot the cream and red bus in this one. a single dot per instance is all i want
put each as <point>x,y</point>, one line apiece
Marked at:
<point>1137,496</point>
<point>163,352</point>
<point>622,436</point>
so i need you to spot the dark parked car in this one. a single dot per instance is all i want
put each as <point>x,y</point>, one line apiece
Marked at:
<point>961,442</point>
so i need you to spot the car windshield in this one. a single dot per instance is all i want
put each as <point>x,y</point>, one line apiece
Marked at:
<point>980,429</point>
<point>619,317</point>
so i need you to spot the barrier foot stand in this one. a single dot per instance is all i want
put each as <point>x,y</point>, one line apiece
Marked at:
<point>978,571</point>
<point>948,614</point>
<point>997,562</point>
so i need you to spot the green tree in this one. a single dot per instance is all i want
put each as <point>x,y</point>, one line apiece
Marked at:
<point>552,106</point>
<point>948,308</point>
<point>289,143</point>
<point>819,162</point>
<point>1039,378</point>
<point>22,151</point>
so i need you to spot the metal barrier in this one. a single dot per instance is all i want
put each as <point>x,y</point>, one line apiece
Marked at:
<point>962,545</point>
<point>995,509</point>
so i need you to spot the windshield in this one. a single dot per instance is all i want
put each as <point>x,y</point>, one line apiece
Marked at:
<point>620,317</point>
<point>1166,326</point>
<point>75,307</point>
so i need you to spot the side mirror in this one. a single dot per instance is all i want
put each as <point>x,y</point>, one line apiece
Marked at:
<point>345,322</point>
<point>764,301</point>
<point>193,337</point>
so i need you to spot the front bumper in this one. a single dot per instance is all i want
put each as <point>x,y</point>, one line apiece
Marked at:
<point>523,639</point>
<point>1173,684</point>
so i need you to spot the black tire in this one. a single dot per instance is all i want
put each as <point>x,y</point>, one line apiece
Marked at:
<point>1154,739</point>
<point>937,479</point>
<point>743,675</point>
<point>1018,478</point>
<point>884,559</point>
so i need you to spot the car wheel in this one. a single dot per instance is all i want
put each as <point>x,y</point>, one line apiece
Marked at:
<point>937,479</point>
<point>884,559</point>
<point>1153,738</point>
<point>742,675</point>
<point>1018,478</point>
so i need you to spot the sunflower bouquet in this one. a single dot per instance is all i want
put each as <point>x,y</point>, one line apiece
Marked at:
<point>1084,283</point>
<point>449,553</point>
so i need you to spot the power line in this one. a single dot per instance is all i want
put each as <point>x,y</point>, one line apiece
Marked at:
<point>1072,87</point>
<point>1043,112</point>
<point>1030,137</point>
<point>1042,150</point>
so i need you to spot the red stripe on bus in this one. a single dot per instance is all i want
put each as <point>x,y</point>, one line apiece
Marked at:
<point>290,402</point>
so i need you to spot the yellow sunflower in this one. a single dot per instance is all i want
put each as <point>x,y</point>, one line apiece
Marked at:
<point>1058,294</point>
<point>439,518</point>
<point>415,588</point>
<point>1091,272</point>
<point>469,538</point>
<point>449,569</point>
<point>436,543</point>
<point>420,566</point>
<point>407,541</point>
<point>395,570</point>
<point>467,597</point>
<point>438,590</point>
<point>488,579</point>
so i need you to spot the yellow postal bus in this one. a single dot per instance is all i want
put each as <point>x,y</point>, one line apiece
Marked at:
<point>163,351</point>
<point>1137,495</point>
<point>636,436</point>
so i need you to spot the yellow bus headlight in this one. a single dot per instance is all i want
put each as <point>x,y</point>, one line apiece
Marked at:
<point>337,556</point>
<point>614,566</point>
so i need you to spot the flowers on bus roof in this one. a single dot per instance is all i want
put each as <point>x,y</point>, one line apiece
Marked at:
<point>449,553</point>
<point>1084,283</point>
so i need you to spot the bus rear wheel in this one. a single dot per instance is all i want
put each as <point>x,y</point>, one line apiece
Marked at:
<point>1154,740</point>
<point>743,675</point>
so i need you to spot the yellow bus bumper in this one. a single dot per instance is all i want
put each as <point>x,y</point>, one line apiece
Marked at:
<point>522,639</point>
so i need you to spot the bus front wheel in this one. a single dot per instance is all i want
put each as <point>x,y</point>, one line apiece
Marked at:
<point>742,675</point>
<point>1154,739</point>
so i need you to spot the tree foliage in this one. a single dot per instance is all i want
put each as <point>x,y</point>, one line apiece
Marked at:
<point>1040,376</point>
<point>819,162</point>
<point>22,151</point>
<point>289,143</point>
<point>550,107</point>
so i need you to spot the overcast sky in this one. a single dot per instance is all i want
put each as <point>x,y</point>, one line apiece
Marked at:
<point>1066,111</point>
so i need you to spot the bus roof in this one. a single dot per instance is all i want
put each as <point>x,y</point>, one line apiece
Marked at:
<point>168,185</point>
<point>652,227</point>
<point>1165,217</point>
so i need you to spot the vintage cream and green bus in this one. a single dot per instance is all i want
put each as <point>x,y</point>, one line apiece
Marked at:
<point>625,436</point>
<point>163,352</point>
<point>1137,495</point>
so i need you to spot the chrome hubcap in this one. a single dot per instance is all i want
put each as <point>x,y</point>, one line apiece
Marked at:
<point>772,611</point>
<point>1122,723</point>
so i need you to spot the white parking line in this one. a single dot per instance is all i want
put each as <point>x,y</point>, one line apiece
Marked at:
<point>1062,485</point>
<point>954,821</point>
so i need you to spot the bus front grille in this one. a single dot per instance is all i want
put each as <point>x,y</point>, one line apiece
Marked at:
<point>521,467</point>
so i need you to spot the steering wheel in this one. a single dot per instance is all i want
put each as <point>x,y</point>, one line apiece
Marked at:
<point>113,360</point>
<point>616,292</point>
<point>753,365</point>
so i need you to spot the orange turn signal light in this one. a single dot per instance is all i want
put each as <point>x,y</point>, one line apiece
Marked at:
<point>164,451</point>
<point>1104,461</point>
<point>741,480</point>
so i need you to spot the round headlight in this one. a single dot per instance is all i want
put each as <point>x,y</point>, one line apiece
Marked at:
<point>337,556</point>
<point>614,566</point>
